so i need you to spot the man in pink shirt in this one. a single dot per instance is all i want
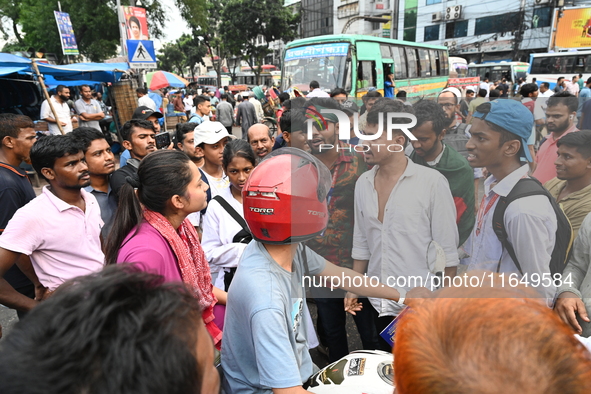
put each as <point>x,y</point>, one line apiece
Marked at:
<point>59,229</point>
<point>561,117</point>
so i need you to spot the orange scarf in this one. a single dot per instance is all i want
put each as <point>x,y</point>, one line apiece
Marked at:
<point>192,264</point>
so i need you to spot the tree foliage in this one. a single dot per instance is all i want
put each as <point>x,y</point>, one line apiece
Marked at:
<point>184,53</point>
<point>243,21</point>
<point>94,23</point>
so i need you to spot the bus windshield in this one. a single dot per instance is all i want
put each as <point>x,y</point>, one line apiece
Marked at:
<point>324,63</point>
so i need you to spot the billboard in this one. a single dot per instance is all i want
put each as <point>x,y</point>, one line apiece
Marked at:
<point>136,24</point>
<point>67,38</point>
<point>573,30</point>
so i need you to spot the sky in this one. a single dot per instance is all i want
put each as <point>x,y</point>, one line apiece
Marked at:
<point>175,27</point>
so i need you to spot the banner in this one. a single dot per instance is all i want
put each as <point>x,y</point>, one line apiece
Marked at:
<point>136,24</point>
<point>573,30</point>
<point>64,25</point>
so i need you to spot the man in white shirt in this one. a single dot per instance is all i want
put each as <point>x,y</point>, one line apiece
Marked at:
<point>545,90</point>
<point>144,100</point>
<point>188,101</point>
<point>315,90</point>
<point>401,208</point>
<point>499,133</point>
<point>258,107</point>
<point>484,85</point>
<point>62,109</point>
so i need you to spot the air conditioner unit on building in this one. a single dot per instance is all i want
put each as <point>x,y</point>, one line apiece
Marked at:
<point>453,12</point>
<point>436,17</point>
<point>541,2</point>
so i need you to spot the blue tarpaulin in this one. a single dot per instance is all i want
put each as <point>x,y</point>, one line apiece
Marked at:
<point>87,72</point>
<point>13,64</point>
<point>80,73</point>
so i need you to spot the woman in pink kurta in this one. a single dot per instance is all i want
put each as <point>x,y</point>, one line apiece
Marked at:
<point>151,229</point>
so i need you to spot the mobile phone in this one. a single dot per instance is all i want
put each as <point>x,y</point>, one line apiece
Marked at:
<point>162,140</point>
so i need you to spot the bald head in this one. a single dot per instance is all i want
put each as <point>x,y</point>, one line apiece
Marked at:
<point>261,139</point>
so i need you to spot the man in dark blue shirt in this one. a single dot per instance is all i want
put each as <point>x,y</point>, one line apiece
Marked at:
<point>17,136</point>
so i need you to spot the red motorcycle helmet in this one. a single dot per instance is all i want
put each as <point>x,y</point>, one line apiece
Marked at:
<point>284,198</point>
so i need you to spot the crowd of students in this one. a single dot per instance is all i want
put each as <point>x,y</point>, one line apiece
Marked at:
<point>243,223</point>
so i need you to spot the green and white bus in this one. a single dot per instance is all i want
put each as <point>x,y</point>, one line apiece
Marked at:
<point>359,63</point>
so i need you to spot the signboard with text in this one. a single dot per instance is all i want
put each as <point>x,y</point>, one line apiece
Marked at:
<point>67,38</point>
<point>573,30</point>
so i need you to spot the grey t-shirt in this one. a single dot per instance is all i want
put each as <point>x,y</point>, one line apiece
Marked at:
<point>90,108</point>
<point>264,343</point>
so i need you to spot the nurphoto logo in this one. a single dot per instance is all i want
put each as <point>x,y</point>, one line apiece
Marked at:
<point>316,118</point>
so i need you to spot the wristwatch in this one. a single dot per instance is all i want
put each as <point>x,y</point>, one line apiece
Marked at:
<point>402,293</point>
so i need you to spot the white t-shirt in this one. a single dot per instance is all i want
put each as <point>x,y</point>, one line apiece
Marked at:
<point>219,229</point>
<point>63,114</point>
<point>216,186</point>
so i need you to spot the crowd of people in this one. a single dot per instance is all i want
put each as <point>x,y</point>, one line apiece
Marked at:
<point>212,243</point>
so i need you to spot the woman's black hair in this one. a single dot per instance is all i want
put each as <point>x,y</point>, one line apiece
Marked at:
<point>239,148</point>
<point>160,176</point>
<point>133,19</point>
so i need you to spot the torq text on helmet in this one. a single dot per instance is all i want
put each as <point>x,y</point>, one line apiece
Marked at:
<point>344,126</point>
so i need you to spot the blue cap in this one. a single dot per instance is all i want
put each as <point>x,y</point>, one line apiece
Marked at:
<point>512,116</point>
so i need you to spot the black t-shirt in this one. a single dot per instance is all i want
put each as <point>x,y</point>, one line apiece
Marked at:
<point>118,179</point>
<point>15,192</point>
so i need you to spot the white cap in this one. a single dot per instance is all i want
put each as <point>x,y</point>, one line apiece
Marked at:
<point>455,91</point>
<point>210,132</point>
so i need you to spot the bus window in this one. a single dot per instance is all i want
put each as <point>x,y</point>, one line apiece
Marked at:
<point>444,62</point>
<point>425,64</point>
<point>411,56</point>
<point>366,75</point>
<point>568,65</point>
<point>588,64</point>
<point>399,63</point>
<point>472,72</point>
<point>385,50</point>
<point>348,75</point>
<point>542,65</point>
<point>579,66</point>
<point>435,70</point>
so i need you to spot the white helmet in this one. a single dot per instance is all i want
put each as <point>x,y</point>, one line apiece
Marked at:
<point>363,371</point>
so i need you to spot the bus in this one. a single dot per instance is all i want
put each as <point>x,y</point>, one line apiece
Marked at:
<point>248,78</point>
<point>458,74</point>
<point>359,63</point>
<point>212,80</point>
<point>511,71</point>
<point>547,67</point>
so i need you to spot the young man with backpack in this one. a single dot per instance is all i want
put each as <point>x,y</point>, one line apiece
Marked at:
<point>519,231</point>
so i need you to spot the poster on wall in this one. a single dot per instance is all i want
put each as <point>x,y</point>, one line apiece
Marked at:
<point>67,38</point>
<point>136,24</point>
<point>573,30</point>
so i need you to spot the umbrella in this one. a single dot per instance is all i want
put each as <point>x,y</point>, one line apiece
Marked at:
<point>163,79</point>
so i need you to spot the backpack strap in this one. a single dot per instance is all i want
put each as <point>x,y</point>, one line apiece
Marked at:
<point>232,212</point>
<point>525,187</point>
<point>208,192</point>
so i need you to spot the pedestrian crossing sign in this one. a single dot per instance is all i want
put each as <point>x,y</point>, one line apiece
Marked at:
<point>141,53</point>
